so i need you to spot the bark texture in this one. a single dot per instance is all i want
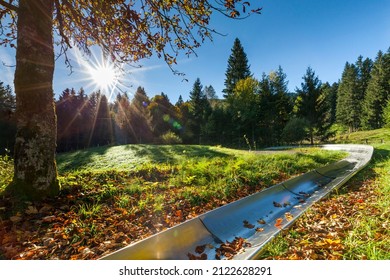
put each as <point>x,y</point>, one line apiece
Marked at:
<point>35,168</point>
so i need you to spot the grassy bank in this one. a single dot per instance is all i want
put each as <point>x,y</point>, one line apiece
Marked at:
<point>113,196</point>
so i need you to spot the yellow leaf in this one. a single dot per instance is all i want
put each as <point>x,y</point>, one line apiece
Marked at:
<point>304,242</point>
<point>288,216</point>
<point>332,241</point>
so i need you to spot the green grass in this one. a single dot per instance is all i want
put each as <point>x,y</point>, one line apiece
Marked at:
<point>371,137</point>
<point>129,192</point>
<point>370,236</point>
<point>158,175</point>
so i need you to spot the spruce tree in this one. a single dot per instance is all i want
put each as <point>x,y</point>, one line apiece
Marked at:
<point>199,109</point>
<point>348,109</point>
<point>378,92</point>
<point>267,113</point>
<point>210,93</point>
<point>311,105</point>
<point>363,68</point>
<point>140,118</point>
<point>7,119</point>
<point>237,68</point>
<point>281,101</point>
<point>179,101</point>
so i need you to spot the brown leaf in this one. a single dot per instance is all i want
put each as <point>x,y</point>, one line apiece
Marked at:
<point>15,219</point>
<point>247,224</point>
<point>200,249</point>
<point>276,204</point>
<point>31,210</point>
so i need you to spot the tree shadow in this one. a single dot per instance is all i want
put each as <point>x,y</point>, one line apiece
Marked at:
<point>173,153</point>
<point>145,152</point>
<point>77,159</point>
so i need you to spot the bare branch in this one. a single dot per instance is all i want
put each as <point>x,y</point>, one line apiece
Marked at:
<point>9,6</point>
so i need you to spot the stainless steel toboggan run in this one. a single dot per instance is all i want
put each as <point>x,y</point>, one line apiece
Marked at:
<point>292,197</point>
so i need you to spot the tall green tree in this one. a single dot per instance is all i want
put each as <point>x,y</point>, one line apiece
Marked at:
<point>102,131</point>
<point>330,94</point>
<point>122,125</point>
<point>237,69</point>
<point>282,103</point>
<point>7,119</point>
<point>126,32</point>
<point>267,113</point>
<point>210,93</point>
<point>349,106</point>
<point>311,105</point>
<point>378,92</point>
<point>164,116</point>
<point>200,110</point>
<point>140,118</point>
<point>244,105</point>
<point>363,67</point>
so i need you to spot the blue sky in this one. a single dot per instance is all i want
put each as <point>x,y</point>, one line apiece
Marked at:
<point>294,34</point>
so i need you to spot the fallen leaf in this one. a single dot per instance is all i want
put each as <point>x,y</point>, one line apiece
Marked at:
<point>278,222</point>
<point>289,216</point>
<point>200,249</point>
<point>277,204</point>
<point>48,219</point>
<point>31,210</point>
<point>15,219</point>
<point>247,224</point>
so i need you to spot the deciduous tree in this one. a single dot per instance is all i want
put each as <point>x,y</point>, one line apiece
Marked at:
<point>127,31</point>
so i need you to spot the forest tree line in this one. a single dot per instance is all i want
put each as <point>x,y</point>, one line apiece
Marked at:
<point>253,113</point>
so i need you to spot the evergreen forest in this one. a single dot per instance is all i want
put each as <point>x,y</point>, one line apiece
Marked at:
<point>255,111</point>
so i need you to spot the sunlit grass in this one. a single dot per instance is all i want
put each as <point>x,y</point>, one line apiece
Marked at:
<point>126,193</point>
<point>370,237</point>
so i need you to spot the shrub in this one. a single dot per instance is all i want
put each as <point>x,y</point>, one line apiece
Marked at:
<point>170,138</point>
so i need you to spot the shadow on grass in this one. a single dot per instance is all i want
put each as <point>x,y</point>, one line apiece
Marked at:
<point>142,152</point>
<point>171,153</point>
<point>77,159</point>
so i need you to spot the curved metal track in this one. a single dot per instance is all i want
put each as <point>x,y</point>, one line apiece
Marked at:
<point>271,210</point>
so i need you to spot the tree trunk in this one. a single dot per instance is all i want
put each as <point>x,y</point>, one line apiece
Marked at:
<point>35,171</point>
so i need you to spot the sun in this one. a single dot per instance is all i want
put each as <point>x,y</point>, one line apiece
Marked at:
<point>105,76</point>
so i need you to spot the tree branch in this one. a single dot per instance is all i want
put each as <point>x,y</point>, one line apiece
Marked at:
<point>9,6</point>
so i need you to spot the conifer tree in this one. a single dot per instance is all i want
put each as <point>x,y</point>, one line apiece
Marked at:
<point>311,105</point>
<point>267,113</point>
<point>180,101</point>
<point>199,109</point>
<point>348,109</point>
<point>237,69</point>
<point>363,68</point>
<point>281,101</point>
<point>140,118</point>
<point>378,92</point>
<point>7,119</point>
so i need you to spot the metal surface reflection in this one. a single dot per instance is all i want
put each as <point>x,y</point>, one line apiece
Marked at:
<point>256,218</point>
